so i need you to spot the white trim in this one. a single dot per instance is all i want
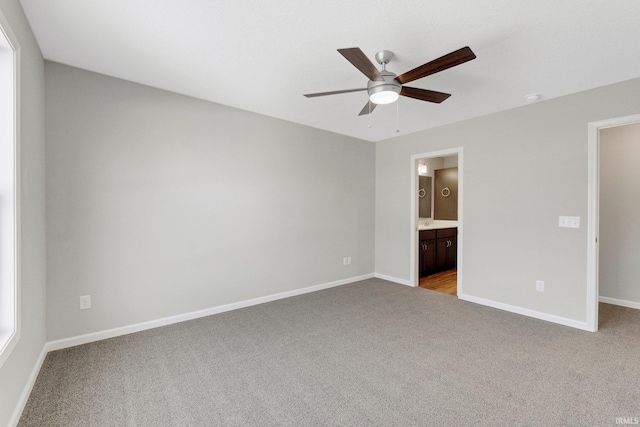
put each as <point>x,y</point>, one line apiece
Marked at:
<point>527,312</point>
<point>124,330</point>
<point>593,218</point>
<point>8,344</point>
<point>592,228</point>
<point>621,302</point>
<point>24,397</point>
<point>393,279</point>
<point>413,229</point>
<point>18,192</point>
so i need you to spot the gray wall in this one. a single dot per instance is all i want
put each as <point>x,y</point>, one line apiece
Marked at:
<point>619,234</point>
<point>522,169</point>
<point>160,204</point>
<point>15,372</point>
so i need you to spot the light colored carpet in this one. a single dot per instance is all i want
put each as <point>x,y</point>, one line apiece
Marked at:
<point>371,353</point>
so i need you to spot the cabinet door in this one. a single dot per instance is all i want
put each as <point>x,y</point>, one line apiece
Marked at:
<point>447,253</point>
<point>442,260</point>
<point>427,257</point>
<point>452,255</point>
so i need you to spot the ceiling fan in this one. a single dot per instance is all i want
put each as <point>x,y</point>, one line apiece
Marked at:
<point>384,87</point>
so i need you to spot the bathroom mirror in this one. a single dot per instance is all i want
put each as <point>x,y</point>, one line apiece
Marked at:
<point>424,196</point>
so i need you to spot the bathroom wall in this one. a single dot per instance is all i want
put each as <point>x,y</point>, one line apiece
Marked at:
<point>445,194</point>
<point>619,235</point>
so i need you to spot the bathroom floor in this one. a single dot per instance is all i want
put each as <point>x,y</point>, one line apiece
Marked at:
<point>445,282</point>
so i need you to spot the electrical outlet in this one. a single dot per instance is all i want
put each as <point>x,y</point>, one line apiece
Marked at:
<point>539,285</point>
<point>85,302</point>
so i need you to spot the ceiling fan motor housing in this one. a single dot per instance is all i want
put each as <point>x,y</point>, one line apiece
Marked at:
<point>384,57</point>
<point>388,84</point>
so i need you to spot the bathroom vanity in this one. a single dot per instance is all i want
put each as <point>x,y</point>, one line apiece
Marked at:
<point>438,246</point>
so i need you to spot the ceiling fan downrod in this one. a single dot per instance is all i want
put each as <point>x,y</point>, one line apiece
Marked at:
<point>384,57</point>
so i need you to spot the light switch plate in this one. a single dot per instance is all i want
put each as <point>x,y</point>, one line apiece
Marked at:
<point>569,222</point>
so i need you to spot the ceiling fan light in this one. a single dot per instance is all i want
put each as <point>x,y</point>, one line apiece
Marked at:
<point>384,97</point>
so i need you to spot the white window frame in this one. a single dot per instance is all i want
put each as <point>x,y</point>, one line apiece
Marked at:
<point>9,228</point>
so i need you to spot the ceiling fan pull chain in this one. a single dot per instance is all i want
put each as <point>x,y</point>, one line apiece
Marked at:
<point>398,116</point>
<point>369,125</point>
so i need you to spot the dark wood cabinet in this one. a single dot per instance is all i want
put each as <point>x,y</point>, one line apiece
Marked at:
<point>427,252</point>
<point>446,248</point>
<point>438,250</point>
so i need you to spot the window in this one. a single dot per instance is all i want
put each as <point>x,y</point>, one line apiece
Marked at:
<point>9,330</point>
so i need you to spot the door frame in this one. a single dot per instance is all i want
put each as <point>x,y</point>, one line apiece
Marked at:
<point>593,218</point>
<point>415,236</point>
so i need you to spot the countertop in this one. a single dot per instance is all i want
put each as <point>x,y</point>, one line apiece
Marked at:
<point>437,224</point>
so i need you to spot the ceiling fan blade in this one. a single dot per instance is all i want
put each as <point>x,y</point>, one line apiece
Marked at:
<point>361,62</point>
<point>424,94</point>
<point>368,108</point>
<point>450,60</point>
<point>335,92</point>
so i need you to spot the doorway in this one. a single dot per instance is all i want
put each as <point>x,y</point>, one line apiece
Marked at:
<point>443,237</point>
<point>598,214</point>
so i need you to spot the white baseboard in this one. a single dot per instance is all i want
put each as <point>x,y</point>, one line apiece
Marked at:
<point>22,401</point>
<point>527,312</point>
<point>393,279</point>
<point>624,303</point>
<point>124,330</point>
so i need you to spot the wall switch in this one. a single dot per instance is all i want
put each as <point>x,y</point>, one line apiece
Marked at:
<point>569,221</point>
<point>349,260</point>
<point>85,302</point>
<point>539,286</point>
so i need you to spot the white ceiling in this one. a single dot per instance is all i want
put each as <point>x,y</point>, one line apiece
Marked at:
<point>261,56</point>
